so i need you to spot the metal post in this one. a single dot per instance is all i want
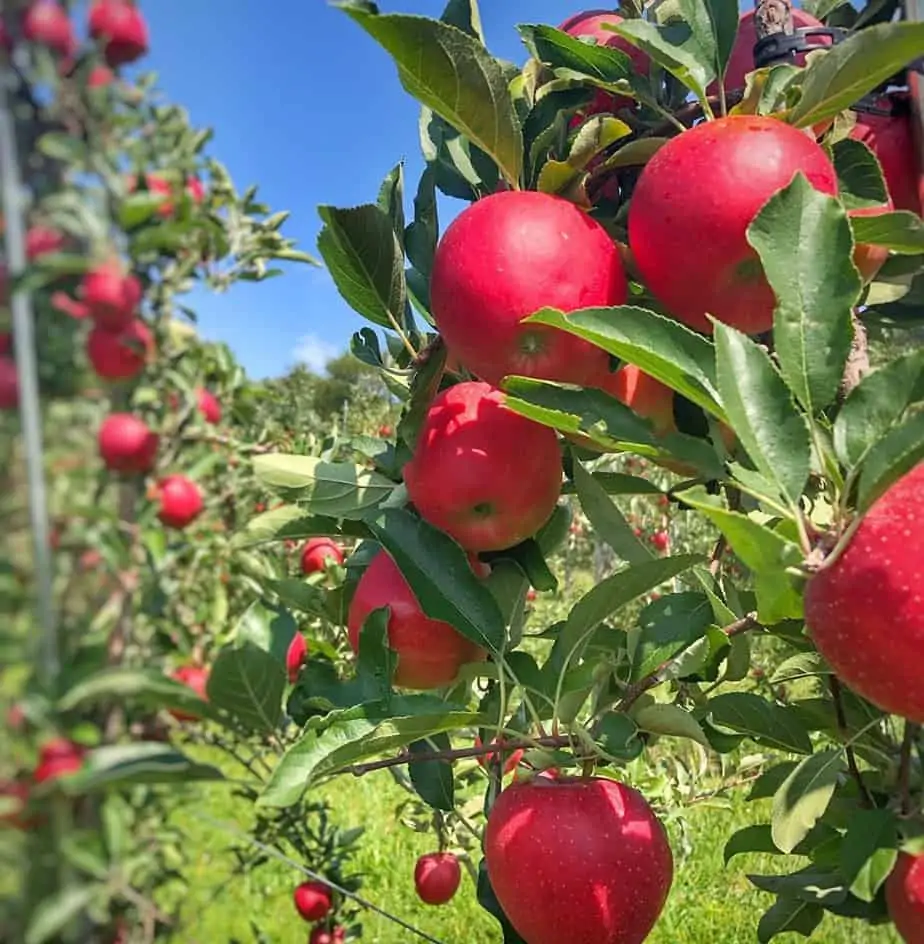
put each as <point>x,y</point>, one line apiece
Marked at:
<point>26,366</point>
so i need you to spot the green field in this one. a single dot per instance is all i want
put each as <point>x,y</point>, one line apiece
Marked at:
<point>708,904</point>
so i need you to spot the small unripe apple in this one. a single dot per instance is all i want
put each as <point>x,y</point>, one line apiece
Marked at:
<point>195,677</point>
<point>316,553</point>
<point>485,475</point>
<point>295,656</point>
<point>9,384</point>
<point>122,30</point>
<point>120,355</point>
<point>46,22</point>
<point>312,900</point>
<point>692,206</point>
<point>42,241</point>
<point>437,877</point>
<point>864,611</point>
<point>501,260</point>
<point>577,860</point>
<point>904,892</point>
<point>127,444</point>
<point>180,501</point>
<point>58,758</point>
<point>430,652</point>
<point>111,295</point>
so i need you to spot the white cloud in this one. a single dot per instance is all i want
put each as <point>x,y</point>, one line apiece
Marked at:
<point>314,352</point>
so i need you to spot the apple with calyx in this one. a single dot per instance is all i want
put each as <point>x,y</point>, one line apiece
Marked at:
<point>590,25</point>
<point>437,877</point>
<point>864,612</point>
<point>127,444</point>
<point>692,206</point>
<point>485,475</point>
<point>430,652</point>
<point>312,900</point>
<point>121,28</point>
<point>501,260</point>
<point>180,501</point>
<point>120,355</point>
<point>904,892</point>
<point>316,553</point>
<point>582,861</point>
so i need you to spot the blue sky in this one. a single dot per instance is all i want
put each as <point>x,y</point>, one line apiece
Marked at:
<point>305,104</point>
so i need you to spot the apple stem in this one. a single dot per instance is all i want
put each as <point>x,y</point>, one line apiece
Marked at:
<point>904,767</point>
<point>866,798</point>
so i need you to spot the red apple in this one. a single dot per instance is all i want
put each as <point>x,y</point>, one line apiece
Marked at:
<point>316,552</point>
<point>692,206</point>
<point>15,794</point>
<point>863,611</point>
<point>312,900</point>
<point>323,936</point>
<point>42,241</point>
<point>100,76</point>
<point>904,892</point>
<point>111,295</point>
<point>6,343</point>
<point>531,595</point>
<point>648,397</point>
<point>579,860</point>
<point>180,501</point>
<point>209,406</point>
<point>121,28</point>
<point>385,431</point>
<point>891,138</point>
<point>437,877</point>
<point>514,757</point>
<point>58,758</point>
<point>295,656</point>
<point>120,355</point>
<point>159,184</point>
<point>195,677</point>
<point>127,444</point>
<point>430,652</point>
<point>867,257</point>
<point>590,25</point>
<point>46,22</point>
<point>661,541</point>
<point>505,257</point>
<point>487,476</point>
<point>9,384</point>
<point>741,61</point>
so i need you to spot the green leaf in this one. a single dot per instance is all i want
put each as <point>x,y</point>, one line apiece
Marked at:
<point>660,346</point>
<point>876,405</point>
<point>859,176</point>
<point>365,260</point>
<point>607,520</point>
<point>138,208</point>
<point>667,627</point>
<point>376,663</point>
<point>359,734</point>
<point>670,720</point>
<point>300,595</point>
<point>432,779</point>
<point>755,838</point>
<point>869,851</point>
<point>723,16</point>
<point>331,489</point>
<point>268,628</point>
<point>148,687</point>
<point>464,15</point>
<point>292,523</point>
<point>843,75</point>
<point>424,386</point>
<point>619,483</point>
<point>557,48</point>
<point>509,585</point>
<point>617,734</point>
<point>452,73</point>
<point>422,234</point>
<point>901,232</point>
<point>249,684</point>
<point>789,913</point>
<point>595,135</point>
<point>63,147</point>
<point>812,331</point>
<point>60,911</point>
<point>391,199</point>
<point>687,63</point>
<point>762,413</point>
<point>150,762</point>
<point>891,458</point>
<point>762,721</point>
<point>803,797</point>
<point>615,592</point>
<point>440,576</point>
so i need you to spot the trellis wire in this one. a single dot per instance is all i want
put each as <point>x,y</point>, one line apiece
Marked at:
<point>27,370</point>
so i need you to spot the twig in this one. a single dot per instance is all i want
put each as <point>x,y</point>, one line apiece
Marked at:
<point>837,694</point>
<point>634,692</point>
<point>857,366</point>
<point>904,767</point>
<point>715,558</point>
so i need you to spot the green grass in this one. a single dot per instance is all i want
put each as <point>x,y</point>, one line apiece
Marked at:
<point>708,905</point>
